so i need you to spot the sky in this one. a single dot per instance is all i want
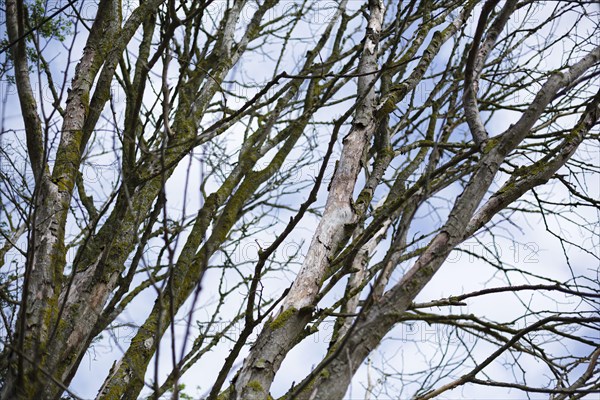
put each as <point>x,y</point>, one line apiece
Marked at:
<point>409,347</point>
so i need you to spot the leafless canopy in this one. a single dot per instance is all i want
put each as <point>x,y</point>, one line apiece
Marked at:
<point>209,187</point>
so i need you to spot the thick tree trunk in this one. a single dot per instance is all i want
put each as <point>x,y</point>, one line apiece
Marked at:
<point>283,332</point>
<point>53,330</point>
<point>333,376</point>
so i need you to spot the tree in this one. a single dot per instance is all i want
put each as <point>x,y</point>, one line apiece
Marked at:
<point>159,141</point>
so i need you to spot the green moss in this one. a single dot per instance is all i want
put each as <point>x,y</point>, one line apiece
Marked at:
<point>364,197</point>
<point>389,152</point>
<point>388,106</point>
<point>490,144</point>
<point>278,322</point>
<point>323,375</point>
<point>85,101</point>
<point>186,127</point>
<point>224,394</point>
<point>256,386</point>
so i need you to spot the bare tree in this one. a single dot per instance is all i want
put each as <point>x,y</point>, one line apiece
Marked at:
<point>159,141</point>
